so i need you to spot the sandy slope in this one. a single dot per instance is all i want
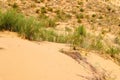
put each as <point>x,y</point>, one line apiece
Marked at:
<point>25,60</point>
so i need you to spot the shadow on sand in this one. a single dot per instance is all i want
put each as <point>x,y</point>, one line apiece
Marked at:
<point>1,48</point>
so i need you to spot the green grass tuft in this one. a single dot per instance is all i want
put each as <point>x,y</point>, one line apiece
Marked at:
<point>28,27</point>
<point>113,51</point>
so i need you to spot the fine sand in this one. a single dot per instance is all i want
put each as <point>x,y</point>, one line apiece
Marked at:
<point>26,60</point>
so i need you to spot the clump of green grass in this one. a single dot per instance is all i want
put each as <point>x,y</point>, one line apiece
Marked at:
<point>62,38</point>
<point>94,15</point>
<point>42,16</point>
<point>78,36</point>
<point>15,5</point>
<point>37,10</point>
<point>8,20</point>
<point>43,10</point>
<point>46,21</point>
<point>97,43</point>
<point>33,29</point>
<point>61,15</point>
<point>81,31</point>
<point>48,35</point>
<point>81,10</point>
<point>50,9</point>
<point>117,40</point>
<point>79,21</point>
<point>13,21</point>
<point>113,51</point>
<point>29,27</point>
<point>79,17</point>
<point>80,3</point>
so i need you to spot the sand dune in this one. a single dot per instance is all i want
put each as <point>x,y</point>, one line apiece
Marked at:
<point>25,60</point>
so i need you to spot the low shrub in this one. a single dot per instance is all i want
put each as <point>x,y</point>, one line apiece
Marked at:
<point>43,10</point>
<point>113,51</point>
<point>28,27</point>
<point>78,37</point>
<point>61,15</point>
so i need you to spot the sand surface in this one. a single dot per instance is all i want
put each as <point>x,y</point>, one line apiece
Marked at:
<point>26,60</point>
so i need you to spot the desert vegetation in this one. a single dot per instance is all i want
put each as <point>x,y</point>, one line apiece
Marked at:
<point>43,29</point>
<point>90,25</point>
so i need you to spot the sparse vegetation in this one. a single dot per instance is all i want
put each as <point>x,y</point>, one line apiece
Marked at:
<point>80,3</point>
<point>81,10</point>
<point>50,9</point>
<point>61,15</point>
<point>79,16</point>
<point>33,5</point>
<point>96,17</point>
<point>13,21</point>
<point>97,43</point>
<point>117,40</point>
<point>113,51</point>
<point>43,10</point>
<point>27,27</point>
<point>93,15</point>
<point>37,10</point>
<point>78,36</point>
<point>46,21</point>
<point>15,5</point>
<point>86,24</point>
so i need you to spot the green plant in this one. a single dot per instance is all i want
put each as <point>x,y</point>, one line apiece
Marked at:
<point>61,15</point>
<point>78,36</point>
<point>113,51</point>
<point>15,5</point>
<point>8,20</point>
<point>93,15</point>
<point>33,5</point>
<point>117,40</point>
<point>29,27</point>
<point>100,17</point>
<point>108,8</point>
<point>80,3</point>
<point>45,34</point>
<point>50,9</point>
<point>13,21</point>
<point>79,16</point>
<point>79,21</point>
<point>61,38</point>
<point>51,23</point>
<point>43,10</point>
<point>46,21</point>
<point>37,10</point>
<point>81,10</point>
<point>42,16</point>
<point>97,44</point>
<point>81,31</point>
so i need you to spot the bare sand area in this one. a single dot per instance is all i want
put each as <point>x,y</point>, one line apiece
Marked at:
<point>26,60</point>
